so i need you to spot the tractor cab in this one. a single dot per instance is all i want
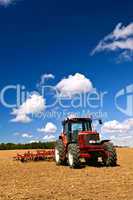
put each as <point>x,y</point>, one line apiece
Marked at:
<point>75,129</point>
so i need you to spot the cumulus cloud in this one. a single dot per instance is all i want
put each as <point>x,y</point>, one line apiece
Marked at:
<point>50,128</point>
<point>23,135</point>
<point>120,132</point>
<point>73,85</point>
<point>35,104</point>
<point>33,141</point>
<point>26,135</point>
<point>122,140</point>
<point>120,39</point>
<point>116,126</point>
<point>23,118</point>
<point>49,138</point>
<point>16,134</point>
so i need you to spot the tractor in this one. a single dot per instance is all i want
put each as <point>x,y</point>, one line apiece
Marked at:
<point>79,141</point>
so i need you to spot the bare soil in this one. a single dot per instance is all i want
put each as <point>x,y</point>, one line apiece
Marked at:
<point>46,181</point>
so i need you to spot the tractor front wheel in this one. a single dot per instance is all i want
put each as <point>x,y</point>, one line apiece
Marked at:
<point>73,156</point>
<point>59,152</point>
<point>110,157</point>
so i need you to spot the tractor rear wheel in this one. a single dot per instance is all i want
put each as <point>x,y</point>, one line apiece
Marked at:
<point>73,156</point>
<point>110,159</point>
<point>59,152</point>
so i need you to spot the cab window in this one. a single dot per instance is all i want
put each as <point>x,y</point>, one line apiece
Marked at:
<point>77,127</point>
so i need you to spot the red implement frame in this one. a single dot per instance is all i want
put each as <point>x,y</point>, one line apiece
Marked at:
<point>36,156</point>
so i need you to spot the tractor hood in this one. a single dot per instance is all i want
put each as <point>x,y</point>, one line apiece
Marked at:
<point>88,137</point>
<point>87,132</point>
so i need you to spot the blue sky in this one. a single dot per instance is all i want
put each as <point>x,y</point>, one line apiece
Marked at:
<point>57,37</point>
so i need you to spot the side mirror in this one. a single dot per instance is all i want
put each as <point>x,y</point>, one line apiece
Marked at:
<point>100,122</point>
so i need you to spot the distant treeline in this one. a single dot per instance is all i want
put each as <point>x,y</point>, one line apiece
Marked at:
<point>35,145</point>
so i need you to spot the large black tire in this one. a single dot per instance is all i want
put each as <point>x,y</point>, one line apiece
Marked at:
<point>110,159</point>
<point>59,153</point>
<point>73,156</point>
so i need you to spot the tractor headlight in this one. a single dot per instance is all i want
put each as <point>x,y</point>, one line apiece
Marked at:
<point>92,141</point>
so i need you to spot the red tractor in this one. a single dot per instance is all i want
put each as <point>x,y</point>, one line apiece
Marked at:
<point>80,142</point>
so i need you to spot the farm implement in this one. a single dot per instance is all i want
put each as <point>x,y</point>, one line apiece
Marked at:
<point>36,156</point>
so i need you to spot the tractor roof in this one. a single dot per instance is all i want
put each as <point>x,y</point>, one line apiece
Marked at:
<point>77,119</point>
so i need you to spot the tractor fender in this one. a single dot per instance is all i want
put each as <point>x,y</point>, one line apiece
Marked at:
<point>103,141</point>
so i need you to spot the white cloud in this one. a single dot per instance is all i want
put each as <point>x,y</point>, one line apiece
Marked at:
<point>16,134</point>
<point>26,135</point>
<point>21,118</point>
<point>73,85</point>
<point>123,140</point>
<point>122,31</point>
<point>49,138</point>
<point>120,132</point>
<point>120,39</point>
<point>115,126</point>
<point>35,104</point>
<point>50,128</point>
<point>6,2</point>
<point>34,141</point>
